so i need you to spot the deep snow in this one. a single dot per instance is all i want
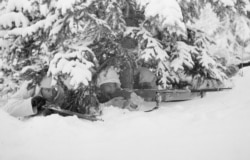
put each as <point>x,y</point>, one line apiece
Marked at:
<point>214,128</point>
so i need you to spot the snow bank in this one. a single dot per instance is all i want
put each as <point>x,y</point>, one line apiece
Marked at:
<point>216,127</point>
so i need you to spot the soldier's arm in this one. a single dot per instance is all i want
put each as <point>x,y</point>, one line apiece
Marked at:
<point>19,107</point>
<point>122,93</point>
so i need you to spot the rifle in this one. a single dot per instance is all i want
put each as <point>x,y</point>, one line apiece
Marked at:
<point>210,89</point>
<point>204,91</point>
<point>64,112</point>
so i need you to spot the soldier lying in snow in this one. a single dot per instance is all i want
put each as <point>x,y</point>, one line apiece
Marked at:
<point>33,101</point>
<point>144,78</point>
<point>137,77</point>
<point>29,101</point>
<point>111,94</point>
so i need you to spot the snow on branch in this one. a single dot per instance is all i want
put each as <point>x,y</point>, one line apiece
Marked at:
<point>4,44</point>
<point>205,60</point>
<point>208,21</point>
<point>30,30</point>
<point>115,17</point>
<point>96,27</point>
<point>168,12</point>
<point>18,19</point>
<point>211,67</point>
<point>19,5</point>
<point>168,76</point>
<point>74,65</point>
<point>183,56</point>
<point>68,5</point>
<point>242,28</point>
<point>150,48</point>
<point>229,3</point>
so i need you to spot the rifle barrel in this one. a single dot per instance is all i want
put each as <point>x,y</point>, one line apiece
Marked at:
<point>210,90</point>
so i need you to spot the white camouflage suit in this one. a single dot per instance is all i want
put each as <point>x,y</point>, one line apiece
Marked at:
<point>19,105</point>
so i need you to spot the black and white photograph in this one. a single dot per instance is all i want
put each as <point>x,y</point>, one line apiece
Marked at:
<point>124,79</point>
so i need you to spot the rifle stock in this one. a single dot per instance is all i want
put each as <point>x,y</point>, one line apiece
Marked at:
<point>57,109</point>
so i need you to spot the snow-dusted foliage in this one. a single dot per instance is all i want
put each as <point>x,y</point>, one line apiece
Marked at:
<point>150,48</point>
<point>168,13</point>
<point>182,57</point>
<point>242,28</point>
<point>58,32</point>
<point>192,61</point>
<point>34,32</point>
<point>208,21</point>
<point>74,65</point>
<point>210,68</point>
<point>13,19</point>
<point>115,17</point>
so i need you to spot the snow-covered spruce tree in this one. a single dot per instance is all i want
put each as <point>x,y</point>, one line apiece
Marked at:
<point>14,15</point>
<point>224,21</point>
<point>58,27</point>
<point>57,33</point>
<point>111,50</point>
<point>166,47</point>
<point>233,34</point>
<point>206,69</point>
<point>40,33</point>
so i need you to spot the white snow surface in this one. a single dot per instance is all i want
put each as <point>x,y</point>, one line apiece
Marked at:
<point>213,128</point>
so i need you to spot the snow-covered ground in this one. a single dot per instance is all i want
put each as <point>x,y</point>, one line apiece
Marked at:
<point>214,128</point>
